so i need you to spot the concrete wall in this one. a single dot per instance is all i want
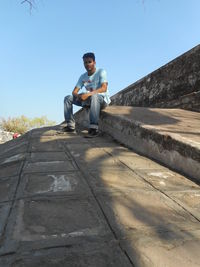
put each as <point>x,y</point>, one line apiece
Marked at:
<point>175,85</point>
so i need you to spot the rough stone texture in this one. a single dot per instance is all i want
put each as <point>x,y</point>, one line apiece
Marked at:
<point>95,255</point>
<point>59,166</point>
<point>166,249</point>
<point>116,181</point>
<point>175,85</point>
<point>54,220</point>
<point>164,180</point>
<point>7,188</point>
<point>4,211</point>
<point>113,208</point>
<point>9,170</point>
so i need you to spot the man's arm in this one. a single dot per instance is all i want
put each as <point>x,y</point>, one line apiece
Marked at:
<point>101,89</point>
<point>75,93</point>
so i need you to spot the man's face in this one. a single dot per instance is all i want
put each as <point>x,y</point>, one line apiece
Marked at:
<point>89,64</point>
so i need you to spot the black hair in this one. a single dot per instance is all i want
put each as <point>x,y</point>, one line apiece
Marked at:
<point>90,54</point>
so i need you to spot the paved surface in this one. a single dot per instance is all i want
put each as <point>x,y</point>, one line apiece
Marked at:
<point>70,201</point>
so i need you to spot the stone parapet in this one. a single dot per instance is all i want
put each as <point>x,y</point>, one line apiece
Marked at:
<point>176,84</point>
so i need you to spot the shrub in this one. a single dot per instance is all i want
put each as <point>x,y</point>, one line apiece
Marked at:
<point>23,124</point>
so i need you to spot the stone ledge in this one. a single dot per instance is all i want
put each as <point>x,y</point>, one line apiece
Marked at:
<point>170,136</point>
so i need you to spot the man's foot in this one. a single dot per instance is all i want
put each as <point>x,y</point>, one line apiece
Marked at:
<point>68,129</point>
<point>92,133</point>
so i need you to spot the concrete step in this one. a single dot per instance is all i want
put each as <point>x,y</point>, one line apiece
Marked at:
<point>169,136</point>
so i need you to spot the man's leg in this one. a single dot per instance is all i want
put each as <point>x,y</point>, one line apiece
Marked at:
<point>68,110</point>
<point>96,103</point>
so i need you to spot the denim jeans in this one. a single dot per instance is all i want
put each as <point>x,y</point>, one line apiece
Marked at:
<point>95,102</point>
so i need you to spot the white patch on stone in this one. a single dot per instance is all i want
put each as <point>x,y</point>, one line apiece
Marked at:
<point>54,236</point>
<point>163,175</point>
<point>46,163</point>
<point>76,234</point>
<point>62,183</point>
<point>162,183</point>
<point>38,228</point>
<point>63,235</point>
<point>14,158</point>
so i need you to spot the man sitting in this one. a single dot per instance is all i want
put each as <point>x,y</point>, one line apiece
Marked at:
<point>96,96</point>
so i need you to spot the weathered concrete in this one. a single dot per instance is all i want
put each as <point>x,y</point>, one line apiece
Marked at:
<point>7,188</point>
<point>171,136</point>
<point>52,183</point>
<point>89,255</point>
<point>175,85</point>
<point>109,207</point>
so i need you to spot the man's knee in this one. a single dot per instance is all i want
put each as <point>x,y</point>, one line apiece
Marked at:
<point>96,98</point>
<point>68,99</point>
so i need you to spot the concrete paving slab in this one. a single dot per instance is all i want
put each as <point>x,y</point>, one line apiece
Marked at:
<point>99,164</point>
<point>46,144</point>
<point>47,156</point>
<point>43,139</point>
<point>11,169</point>
<point>49,166</point>
<point>148,210</point>
<point>12,150</point>
<point>67,183</point>
<point>14,142</point>
<point>78,148</point>
<point>118,151</point>
<point>71,139</point>
<point>138,162</point>
<point>16,157</point>
<point>7,188</point>
<point>52,222</point>
<point>45,131</point>
<point>116,180</point>
<point>167,180</point>
<point>4,212</point>
<point>89,255</point>
<point>167,249</point>
<point>93,158</point>
<point>189,200</point>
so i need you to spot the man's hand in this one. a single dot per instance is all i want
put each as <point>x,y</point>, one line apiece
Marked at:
<point>84,97</point>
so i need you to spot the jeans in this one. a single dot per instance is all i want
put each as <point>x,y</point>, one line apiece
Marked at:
<point>95,102</point>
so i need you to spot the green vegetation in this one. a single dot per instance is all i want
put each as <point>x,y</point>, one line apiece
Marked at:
<point>23,124</point>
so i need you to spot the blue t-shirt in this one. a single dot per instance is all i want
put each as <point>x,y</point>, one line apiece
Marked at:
<point>93,82</point>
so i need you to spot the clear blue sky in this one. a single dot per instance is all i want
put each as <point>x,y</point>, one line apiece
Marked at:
<point>41,53</point>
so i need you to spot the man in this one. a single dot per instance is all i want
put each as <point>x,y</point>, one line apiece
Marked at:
<point>96,95</point>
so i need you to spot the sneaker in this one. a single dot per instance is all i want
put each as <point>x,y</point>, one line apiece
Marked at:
<point>93,132</point>
<point>68,129</point>
<point>90,130</point>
